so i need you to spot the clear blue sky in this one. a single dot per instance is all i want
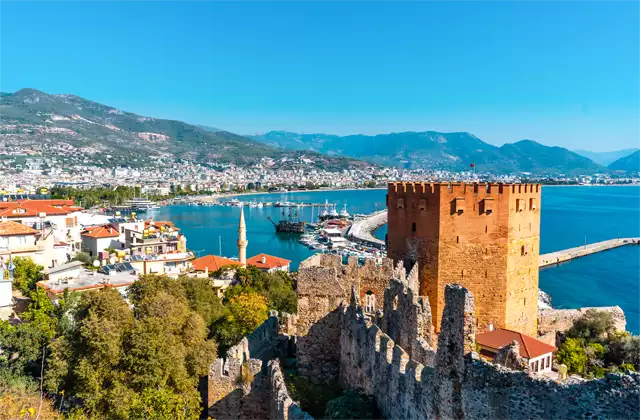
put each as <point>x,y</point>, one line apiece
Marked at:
<point>560,73</point>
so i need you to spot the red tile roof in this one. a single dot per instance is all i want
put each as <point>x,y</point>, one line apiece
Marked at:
<point>269,261</point>
<point>212,262</point>
<point>106,231</point>
<point>30,208</point>
<point>529,347</point>
<point>10,228</point>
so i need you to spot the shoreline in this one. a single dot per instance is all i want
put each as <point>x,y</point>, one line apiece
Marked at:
<point>217,196</point>
<point>214,197</point>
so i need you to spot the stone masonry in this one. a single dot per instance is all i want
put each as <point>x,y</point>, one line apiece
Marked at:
<point>248,382</point>
<point>485,237</point>
<point>463,386</point>
<point>323,284</point>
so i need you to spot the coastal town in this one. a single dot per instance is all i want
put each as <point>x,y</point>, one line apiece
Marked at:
<point>28,173</point>
<point>80,251</point>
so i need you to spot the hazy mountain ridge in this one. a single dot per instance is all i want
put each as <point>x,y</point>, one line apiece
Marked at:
<point>629,164</point>
<point>431,149</point>
<point>106,135</point>
<point>606,158</point>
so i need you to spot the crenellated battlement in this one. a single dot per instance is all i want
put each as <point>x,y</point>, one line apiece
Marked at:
<point>484,236</point>
<point>461,385</point>
<point>403,189</point>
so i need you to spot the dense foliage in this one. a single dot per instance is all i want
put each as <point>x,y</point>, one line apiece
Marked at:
<point>26,274</point>
<point>96,196</point>
<point>146,352</point>
<point>592,347</point>
<point>246,304</point>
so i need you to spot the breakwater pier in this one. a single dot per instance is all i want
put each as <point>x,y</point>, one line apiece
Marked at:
<point>362,230</point>
<point>558,257</point>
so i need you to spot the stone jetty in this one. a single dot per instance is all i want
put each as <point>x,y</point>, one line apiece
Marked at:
<point>362,230</point>
<point>580,251</point>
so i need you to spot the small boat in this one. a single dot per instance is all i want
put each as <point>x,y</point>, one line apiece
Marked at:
<point>344,213</point>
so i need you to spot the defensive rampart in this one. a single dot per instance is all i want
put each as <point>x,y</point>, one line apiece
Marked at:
<point>323,284</point>
<point>248,382</point>
<point>461,385</point>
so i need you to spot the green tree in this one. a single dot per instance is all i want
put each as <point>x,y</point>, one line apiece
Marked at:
<point>243,314</point>
<point>202,298</point>
<point>573,355</point>
<point>593,325</point>
<point>27,273</point>
<point>632,351</point>
<point>352,405</point>
<point>149,360</point>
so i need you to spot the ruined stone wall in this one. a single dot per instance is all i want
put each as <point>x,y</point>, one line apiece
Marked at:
<point>237,385</point>
<point>473,235</point>
<point>281,406</point>
<point>461,385</point>
<point>323,284</point>
<point>406,317</point>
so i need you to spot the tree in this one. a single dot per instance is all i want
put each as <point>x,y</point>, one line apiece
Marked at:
<point>148,360</point>
<point>243,313</point>
<point>202,298</point>
<point>84,258</point>
<point>27,273</point>
<point>592,325</point>
<point>352,405</point>
<point>573,355</point>
<point>632,351</point>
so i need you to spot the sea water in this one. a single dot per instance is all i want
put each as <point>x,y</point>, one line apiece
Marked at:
<point>570,215</point>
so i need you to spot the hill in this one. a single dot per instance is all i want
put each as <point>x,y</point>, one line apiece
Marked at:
<point>605,158</point>
<point>630,164</point>
<point>78,130</point>
<point>431,149</point>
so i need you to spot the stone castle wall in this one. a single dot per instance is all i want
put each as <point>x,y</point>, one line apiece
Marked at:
<point>482,236</point>
<point>323,284</point>
<point>461,385</point>
<point>248,382</point>
<point>406,317</point>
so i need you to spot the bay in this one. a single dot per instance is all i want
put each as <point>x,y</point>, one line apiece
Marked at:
<point>569,214</point>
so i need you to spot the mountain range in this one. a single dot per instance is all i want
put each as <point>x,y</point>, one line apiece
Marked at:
<point>629,164</point>
<point>431,149</point>
<point>83,131</point>
<point>606,158</point>
<point>38,122</point>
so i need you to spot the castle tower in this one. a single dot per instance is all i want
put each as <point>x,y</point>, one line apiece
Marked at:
<point>485,237</point>
<point>242,240</point>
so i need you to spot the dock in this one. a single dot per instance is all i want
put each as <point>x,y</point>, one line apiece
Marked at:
<point>362,230</point>
<point>558,257</point>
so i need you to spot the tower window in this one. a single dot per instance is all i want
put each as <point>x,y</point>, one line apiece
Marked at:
<point>457,239</point>
<point>413,227</point>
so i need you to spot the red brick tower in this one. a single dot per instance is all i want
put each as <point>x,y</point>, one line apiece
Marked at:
<point>485,237</point>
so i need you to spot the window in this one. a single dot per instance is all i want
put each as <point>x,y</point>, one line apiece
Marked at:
<point>400,203</point>
<point>369,302</point>
<point>519,205</point>
<point>532,204</point>
<point>523,252</point>
<point>413,227</point>
<point>422,204</point>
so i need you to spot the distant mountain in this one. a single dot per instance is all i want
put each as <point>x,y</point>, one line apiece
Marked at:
<point>208,128</point>
<point>606,158</point>
<point>83,131</point>
<point>630,164</point>
<point>430,149</point>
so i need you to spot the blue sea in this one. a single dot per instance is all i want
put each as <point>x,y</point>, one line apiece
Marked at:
<point>569,215</point>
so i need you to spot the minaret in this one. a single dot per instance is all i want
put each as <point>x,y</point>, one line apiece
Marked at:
<point>242,240</point>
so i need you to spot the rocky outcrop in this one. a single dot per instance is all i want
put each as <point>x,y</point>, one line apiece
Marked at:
<point>553,321</point>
